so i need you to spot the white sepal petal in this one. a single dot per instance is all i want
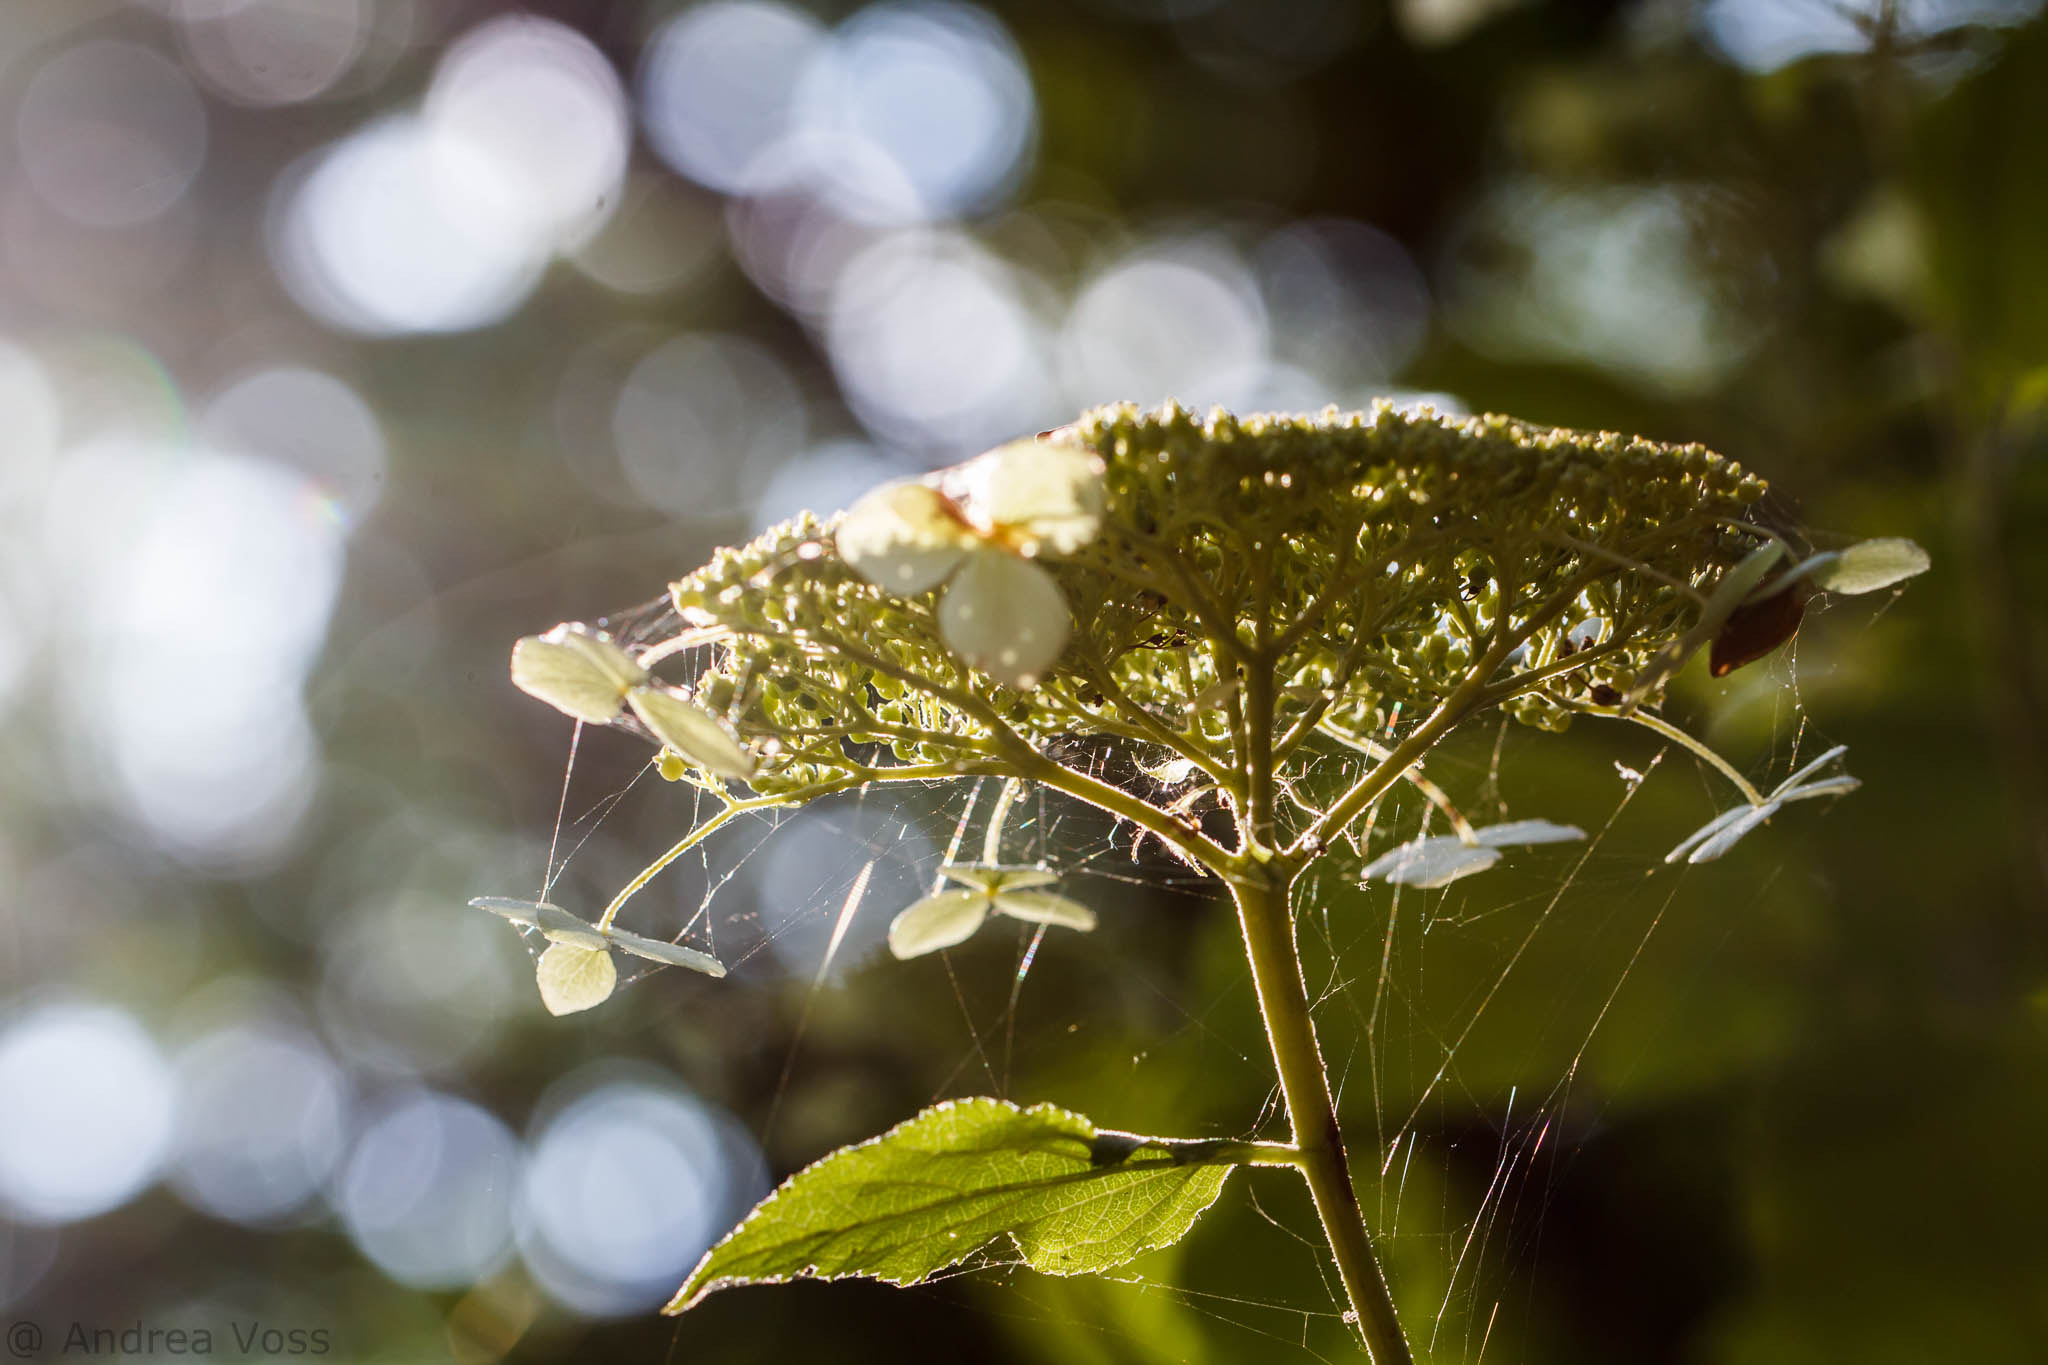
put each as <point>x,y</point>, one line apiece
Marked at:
<point>1810,769</point>
<point>1872,564</point>
<point>991,877</point>
<point>1043,907</point>
<point>906,537</point>
<point>576,670</point>
<point>1005,615</point>
<point>1707,831</point>
<point>574,978</point>
<point>519,912</point>
<point>1827,786</point>
<point>1730,833</point>
<point>660,950</point>
<point>937,922</point>
<point>690,730</point>
<point>1042,497</point>
<point>562,927</point>
<point>1527,832</point>
<point>1430,862</point>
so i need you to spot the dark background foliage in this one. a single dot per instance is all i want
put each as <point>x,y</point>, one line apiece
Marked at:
<point>342,343</point>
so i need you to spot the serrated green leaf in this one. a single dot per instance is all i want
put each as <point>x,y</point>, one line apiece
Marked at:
<point>937,1188</point>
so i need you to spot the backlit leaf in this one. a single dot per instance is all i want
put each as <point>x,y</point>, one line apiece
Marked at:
<point>932,1191</point>
<point>1729,593</point>
<point>519,912</point>
<point>1757,628</point>
<point>1724,837</point>
<point>1827,786</point>
<point>1810,769</point>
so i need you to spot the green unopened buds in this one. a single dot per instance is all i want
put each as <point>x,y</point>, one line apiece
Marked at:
<point>951,917</point>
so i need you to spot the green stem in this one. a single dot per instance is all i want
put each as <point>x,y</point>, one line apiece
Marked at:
<point>992,838</point>
<point>1400,758</point>
<point>922,772</point>
<point>1197,847</point>
<point>1684,740</point>
<point>1435,795</point>
<point>1262,914</point>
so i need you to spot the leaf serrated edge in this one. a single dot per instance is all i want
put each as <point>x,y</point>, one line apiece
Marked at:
<point>694,1292</point>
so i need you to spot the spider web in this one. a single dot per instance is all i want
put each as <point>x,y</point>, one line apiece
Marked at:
<point>1460,1024</point>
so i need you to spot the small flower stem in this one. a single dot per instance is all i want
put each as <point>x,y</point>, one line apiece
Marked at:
<point>1262,915</point>
<point>1685,741</point>
<point>924,772</point>
<point>992,838</point>
<point>1435,795</point>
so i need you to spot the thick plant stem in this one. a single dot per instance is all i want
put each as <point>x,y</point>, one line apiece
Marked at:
<point>1261,898</point>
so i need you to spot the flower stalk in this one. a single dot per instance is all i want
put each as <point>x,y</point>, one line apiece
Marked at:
<point>1268,928</point>
<point>1215,595</point>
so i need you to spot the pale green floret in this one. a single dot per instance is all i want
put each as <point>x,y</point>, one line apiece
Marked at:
<point>1370,558</point>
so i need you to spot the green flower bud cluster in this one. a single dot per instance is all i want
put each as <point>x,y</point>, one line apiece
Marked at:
<point>1360,561</point>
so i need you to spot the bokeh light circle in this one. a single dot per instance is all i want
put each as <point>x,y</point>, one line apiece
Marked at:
<point>541,103</point>
<point>428,1190</point>
<point>89,1111</point>
<point>110,133</point>
<point>1181,320</point>
<point>940,89</point>
<point>718,82</point>
<point>306,420</point>
<point>262,1114</point>
<point>395,230</point>
<point>275,52</point>
<point>933,344</point>
<point>824,479</point>
<point>697,409</point>
<point>207,586</point>
<point>814,859</point>
<point>629,1182</point>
